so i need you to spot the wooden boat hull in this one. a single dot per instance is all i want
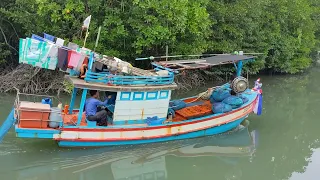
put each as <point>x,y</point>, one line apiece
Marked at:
<point>200,133</point>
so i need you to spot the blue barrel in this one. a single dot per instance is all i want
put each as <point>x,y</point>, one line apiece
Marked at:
<point>47,101</point>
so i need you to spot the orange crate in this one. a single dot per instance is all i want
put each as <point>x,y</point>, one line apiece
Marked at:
<point>34,115</point>
<point>195,111</point>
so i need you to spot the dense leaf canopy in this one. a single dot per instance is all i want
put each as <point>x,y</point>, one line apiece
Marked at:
<point>286,31</point>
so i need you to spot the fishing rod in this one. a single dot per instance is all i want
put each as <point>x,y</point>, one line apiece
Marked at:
<point>198,55</point>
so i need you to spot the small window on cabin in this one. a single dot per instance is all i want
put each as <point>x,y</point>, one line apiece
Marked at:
<point>125,96</point>
<point>138,96</point>
<point>152,95</point>
<point>164,95</point>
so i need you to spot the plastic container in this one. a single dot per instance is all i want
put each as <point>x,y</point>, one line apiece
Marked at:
<point>66,109</point>
<point>33,115</point>
<point>47,101</point>
<point>55,117</point>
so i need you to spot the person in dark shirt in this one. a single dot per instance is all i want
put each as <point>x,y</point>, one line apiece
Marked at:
<point>91,108</point>
<point>83,71</point>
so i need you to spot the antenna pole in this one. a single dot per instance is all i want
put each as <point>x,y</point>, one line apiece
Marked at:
<point>167,52</point>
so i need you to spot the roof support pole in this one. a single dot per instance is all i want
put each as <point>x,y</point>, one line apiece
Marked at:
<point>83,100</point>
<point>239,68</point>
<point>73,99</point>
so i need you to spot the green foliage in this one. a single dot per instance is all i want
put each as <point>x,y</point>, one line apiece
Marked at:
<point>287,32</point>
<point>68,87</point>
<point>4,53</point>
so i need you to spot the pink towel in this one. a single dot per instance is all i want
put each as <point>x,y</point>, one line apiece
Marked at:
<point>74,59</point>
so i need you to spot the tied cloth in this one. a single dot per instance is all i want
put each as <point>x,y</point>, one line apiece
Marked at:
<point>258,106</point>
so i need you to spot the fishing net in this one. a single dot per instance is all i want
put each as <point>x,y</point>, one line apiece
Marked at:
<point>221,107</point>
<point>244,99</point>
<point>219,95</point>
<point>233,101</point>
<point>177,104</point>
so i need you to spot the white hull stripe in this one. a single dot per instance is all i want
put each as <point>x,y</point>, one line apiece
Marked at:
<point>153,133</point>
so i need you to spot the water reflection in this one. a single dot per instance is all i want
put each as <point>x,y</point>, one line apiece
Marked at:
<point>146,162</point>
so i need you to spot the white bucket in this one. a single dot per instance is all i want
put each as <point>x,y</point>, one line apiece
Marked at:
<point>241,53</point>
<point>55,117</point>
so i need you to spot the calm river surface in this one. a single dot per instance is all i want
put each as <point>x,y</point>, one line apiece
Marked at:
<point>285,137</point>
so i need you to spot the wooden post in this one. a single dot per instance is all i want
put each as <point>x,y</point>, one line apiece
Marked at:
<point>97,40</point>
<point>167,52</point>
<point>85,38</point>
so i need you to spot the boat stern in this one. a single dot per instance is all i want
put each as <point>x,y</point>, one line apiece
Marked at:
<point>36,132</point>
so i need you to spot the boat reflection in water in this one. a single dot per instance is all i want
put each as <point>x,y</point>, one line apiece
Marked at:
<point>151,161</point>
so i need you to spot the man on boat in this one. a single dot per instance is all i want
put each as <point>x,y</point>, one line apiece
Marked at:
<point>83,70</point>
<point>91,108</point>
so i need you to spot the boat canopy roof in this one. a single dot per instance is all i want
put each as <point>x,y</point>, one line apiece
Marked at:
<point>205,62</point>
<point>82,84</point>
<point>227,59</point>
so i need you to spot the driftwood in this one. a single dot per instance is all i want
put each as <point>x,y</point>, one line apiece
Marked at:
<point>192,79</point>
<point>28,79</point>
<point>33,80</point>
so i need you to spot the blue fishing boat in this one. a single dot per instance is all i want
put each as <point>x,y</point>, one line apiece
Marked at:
<point>141,110</point>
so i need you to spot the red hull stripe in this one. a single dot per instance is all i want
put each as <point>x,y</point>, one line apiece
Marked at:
<point>155,127</point>
<point>151,137</point>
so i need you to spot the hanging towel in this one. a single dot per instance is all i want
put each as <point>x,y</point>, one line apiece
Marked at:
<point>74,59</point>
<point>80,63</point>
<point>49,37</point>
<point>43,59</point>
<point>59,42</point>
<point>52,59</point>
<point>73,46</point>
<point>62,59</point>
<point>22,45</point>
<point>34,51</point>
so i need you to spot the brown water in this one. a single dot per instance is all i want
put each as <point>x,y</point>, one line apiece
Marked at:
<point>287,146</point>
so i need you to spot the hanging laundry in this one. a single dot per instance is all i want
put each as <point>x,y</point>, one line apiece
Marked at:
<point>34,51</point>
<point>74,59</point>
<point>52,59</point>
<point>62,59</point>
<point>80,63</point>
<point>98,65</point>
<point>86,60</point>
<point>59,42</point>
<point>37,37</point>
<point>22,45</point>
<point>43,59</point>
<point>73,46</point>
<point>49,37</point>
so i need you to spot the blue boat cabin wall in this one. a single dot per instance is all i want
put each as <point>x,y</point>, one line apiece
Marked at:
<point>136,107</point>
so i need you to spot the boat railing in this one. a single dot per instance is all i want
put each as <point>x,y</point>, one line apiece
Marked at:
<point>128,80</point>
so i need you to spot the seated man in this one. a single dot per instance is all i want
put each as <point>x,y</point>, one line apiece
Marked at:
<point>91,108</point>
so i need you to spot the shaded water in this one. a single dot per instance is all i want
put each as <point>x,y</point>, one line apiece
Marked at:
<point>286,137</point>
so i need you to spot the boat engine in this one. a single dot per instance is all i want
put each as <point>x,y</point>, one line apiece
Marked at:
<point>239,84</point>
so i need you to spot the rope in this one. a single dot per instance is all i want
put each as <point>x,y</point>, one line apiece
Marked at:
<point>205,95</point>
